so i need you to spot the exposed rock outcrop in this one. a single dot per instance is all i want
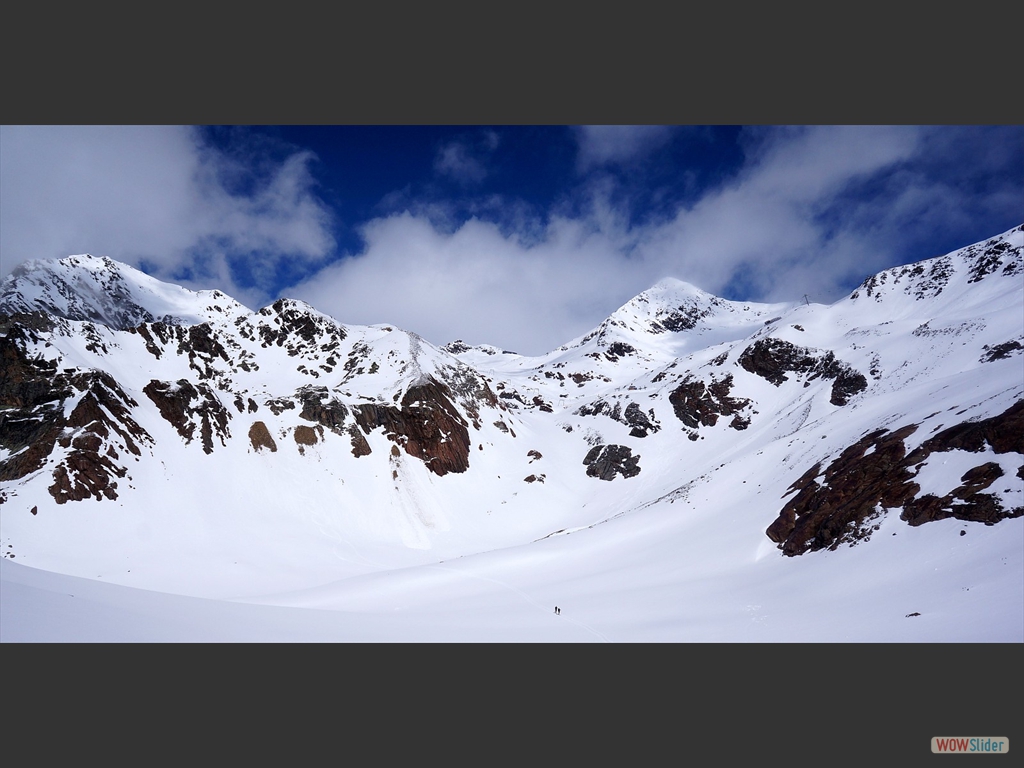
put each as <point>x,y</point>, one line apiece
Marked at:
<point>458,347</point>
<point>426,423</point>
<point>279,405</point>
<point>684,317</point>
<point>928,278</point>
<point>34,398</point>
<point>319,406</point>
<point>772,359</point>
<point>98,425</point>
<point>607,461</point>
<point>175,401</point>
<point>359,445</point>
<point>260,437</point>
<point>966,502</point>
<point>1001,351</point>
<point>641,423</point>
<point>31,397</point>
<point>698,404</point>
<point>469,390</point>
<point>876,473</point>
<point>305,435</point>
<point>428,426</point>
<point>298,328</point>
<point>200,343</point>
<point>618,349</point>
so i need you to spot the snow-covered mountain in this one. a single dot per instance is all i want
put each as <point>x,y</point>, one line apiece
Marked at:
<point>693,468</point>
<point>103,291</point>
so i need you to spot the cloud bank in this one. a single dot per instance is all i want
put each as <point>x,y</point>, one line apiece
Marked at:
<point>156,195</point>
<point>808,211</point>
<point>531,296</point>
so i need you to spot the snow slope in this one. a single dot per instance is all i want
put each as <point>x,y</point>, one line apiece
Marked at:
<point>358,525</point>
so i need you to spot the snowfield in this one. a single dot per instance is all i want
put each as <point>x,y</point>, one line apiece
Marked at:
<point>280,476</point>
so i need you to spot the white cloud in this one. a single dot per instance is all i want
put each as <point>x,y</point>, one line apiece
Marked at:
<point>476,283</point>
<point>154,194</point>
<point>463,162</point>
<point>768,221</point>
<point>534,294</point>
<point>617,144</point>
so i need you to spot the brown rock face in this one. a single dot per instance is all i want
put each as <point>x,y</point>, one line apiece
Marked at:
<point>427,426</point>
<point>175,403</point>
<point>260,437</point>
<point>839,508</point>
<point>31,396</point>
<point>305,435</point>
<point>698,404</point>
<point>359,445</point>
<point>84,474</point>
<point>32,422</point>
<point>88,471</point>
<point>976,507</point>
<point>1005,433</point>
<point>839,505</point>
<point>330,414</point>
<point>426,423</point>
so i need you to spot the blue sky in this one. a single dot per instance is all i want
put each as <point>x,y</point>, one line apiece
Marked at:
<point>519,236</point>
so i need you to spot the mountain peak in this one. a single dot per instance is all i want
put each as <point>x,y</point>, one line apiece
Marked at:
<point>672,305</point>
<point>97,289</point>
<point>675,285</point>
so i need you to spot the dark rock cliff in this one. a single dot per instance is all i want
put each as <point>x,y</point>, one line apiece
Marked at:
<point>427,426</point>
<point>607,461</point>
<point>698,404</point>
<point>175,401</point>
<point>34,396</point>
<point>877,473</point>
